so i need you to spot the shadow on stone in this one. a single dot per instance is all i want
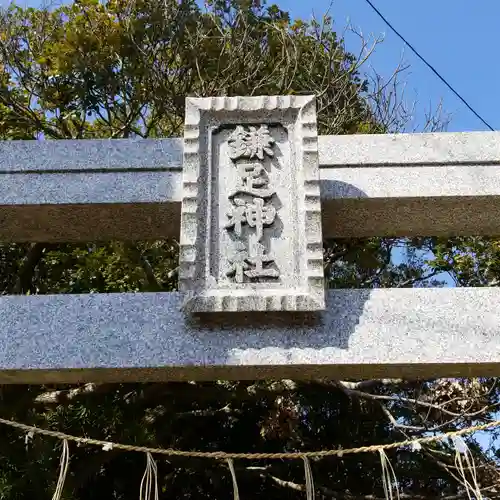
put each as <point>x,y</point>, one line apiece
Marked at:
<point>286,330</point>
<point>331,190</point>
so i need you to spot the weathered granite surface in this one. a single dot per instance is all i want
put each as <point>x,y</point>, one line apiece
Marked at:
<point>90,190</point>
<point>410,149</point>
<point>363,334</point>
<point>250,236</point>
<point>90,155</point>
<point>459,148</point>
<point>441,184</point>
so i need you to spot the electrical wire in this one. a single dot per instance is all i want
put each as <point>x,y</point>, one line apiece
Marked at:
<point>476,114</point>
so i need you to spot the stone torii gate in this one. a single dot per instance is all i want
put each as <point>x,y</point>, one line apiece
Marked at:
<point>251,190</point>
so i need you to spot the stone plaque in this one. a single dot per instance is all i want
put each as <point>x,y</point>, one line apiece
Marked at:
<point>251,211</point>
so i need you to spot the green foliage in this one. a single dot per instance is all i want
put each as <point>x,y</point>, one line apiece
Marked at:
<point>120,69</point>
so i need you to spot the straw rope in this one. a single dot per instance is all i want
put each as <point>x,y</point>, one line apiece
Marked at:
<point>107,445</point>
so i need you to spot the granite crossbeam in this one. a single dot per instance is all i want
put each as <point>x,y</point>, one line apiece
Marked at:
<point>144,337</point>
<point>371,185</point>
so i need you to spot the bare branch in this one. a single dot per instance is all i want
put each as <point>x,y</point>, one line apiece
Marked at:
<point>414,402</point>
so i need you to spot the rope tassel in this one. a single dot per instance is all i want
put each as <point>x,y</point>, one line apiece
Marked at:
<point>389,479</point>
<point>233,475</point>
<point>150,476</point>
<point>473,490</point>
<point>63,466</point>
<point>309,479</point>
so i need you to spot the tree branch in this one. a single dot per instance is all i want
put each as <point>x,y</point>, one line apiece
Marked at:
<point>25,275</point>
<point>401,399</point>
<point>57,397</point>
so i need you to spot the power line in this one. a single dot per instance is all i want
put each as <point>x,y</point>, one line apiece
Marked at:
<point>428,65</point>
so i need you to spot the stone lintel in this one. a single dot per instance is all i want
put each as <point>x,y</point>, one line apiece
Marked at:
<point>371,185</point>
<point>363,334</point>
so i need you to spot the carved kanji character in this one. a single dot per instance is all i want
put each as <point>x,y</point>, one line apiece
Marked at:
<point>253,175</point>
<point>239,262</point>
<point>254,181</point>
<point>237,216</point>
<point>258,260</point>
<point>254,142</point>
<point>237,143</point>
<point>260,142</point>
<point>259,215</point>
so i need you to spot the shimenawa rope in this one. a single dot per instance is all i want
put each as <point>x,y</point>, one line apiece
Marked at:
<point>106,445</point>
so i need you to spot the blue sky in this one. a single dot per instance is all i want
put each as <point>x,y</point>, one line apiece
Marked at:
<point>459,38</point>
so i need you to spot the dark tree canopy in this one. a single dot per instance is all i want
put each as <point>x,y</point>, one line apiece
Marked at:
<point>121,69</point>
